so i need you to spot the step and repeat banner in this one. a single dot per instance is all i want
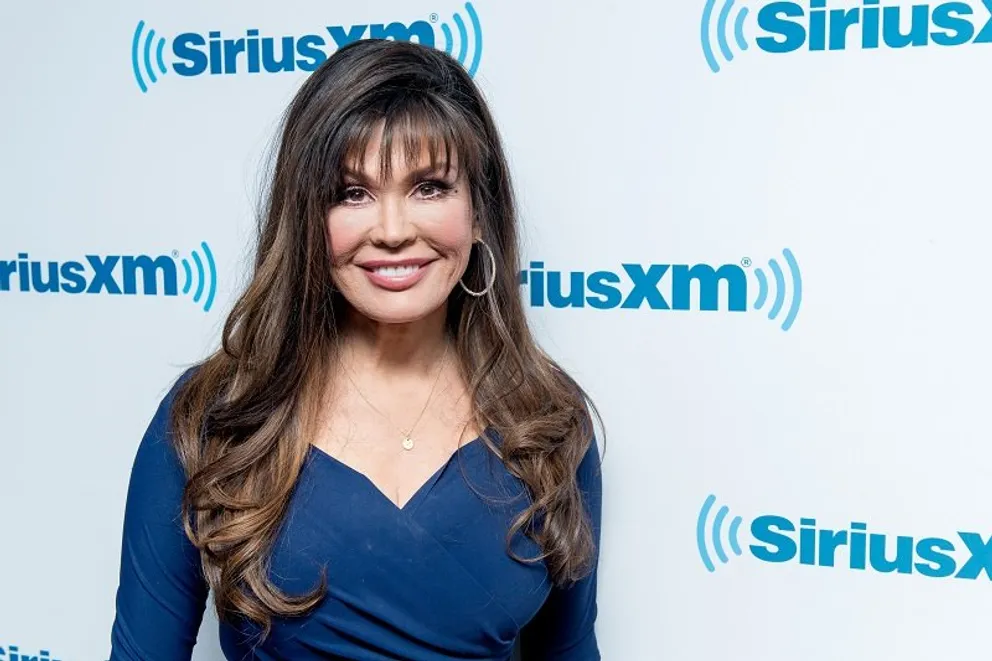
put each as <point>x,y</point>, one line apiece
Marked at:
<point>757,232</point>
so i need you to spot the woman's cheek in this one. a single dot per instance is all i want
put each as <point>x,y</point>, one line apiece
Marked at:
<point>454,232</point>
<point>343,241</point>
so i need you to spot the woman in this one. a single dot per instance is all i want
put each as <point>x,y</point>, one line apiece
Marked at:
<point>379,462</point>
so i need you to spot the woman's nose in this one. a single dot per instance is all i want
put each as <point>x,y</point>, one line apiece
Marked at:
<point>394,226</point>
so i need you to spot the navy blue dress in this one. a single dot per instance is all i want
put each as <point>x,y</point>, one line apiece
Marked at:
<point>429,581</point>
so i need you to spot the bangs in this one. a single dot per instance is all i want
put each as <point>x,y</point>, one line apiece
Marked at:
<point>420,127</point>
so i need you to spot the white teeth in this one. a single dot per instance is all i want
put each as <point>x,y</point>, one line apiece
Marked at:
<point>396,271</point>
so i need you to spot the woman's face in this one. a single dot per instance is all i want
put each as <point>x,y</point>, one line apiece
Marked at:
<point>399,247</point>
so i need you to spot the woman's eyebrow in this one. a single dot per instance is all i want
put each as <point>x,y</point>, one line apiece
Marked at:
<point>412,176</point>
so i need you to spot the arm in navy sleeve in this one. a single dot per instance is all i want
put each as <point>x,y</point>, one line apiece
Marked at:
<point>162,593</point>
<point>563,630</point>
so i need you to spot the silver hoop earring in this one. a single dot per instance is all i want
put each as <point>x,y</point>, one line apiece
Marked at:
<point>492,274</point>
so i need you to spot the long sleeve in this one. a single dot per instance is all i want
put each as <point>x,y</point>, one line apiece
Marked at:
<point>564,628</point>
<point>162,593</point>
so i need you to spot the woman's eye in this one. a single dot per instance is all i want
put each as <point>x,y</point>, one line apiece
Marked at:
<point>428,190</point>
<point>433,189</point>
<point>352,195</point>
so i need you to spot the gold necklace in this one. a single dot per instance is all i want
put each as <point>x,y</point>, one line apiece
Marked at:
<point>407,436</point>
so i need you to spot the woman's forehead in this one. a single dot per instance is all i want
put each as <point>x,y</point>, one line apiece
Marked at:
<point>384,156</point>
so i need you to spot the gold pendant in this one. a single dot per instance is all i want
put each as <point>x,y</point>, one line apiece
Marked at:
<point>407,443</point>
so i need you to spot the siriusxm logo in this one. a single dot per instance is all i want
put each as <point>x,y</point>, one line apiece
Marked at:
<point>785,27</point>
<point>197,53</point>
<point>12,653</point>
<point>778,539</point>
<point>116,274</point>
<point>670,287</point>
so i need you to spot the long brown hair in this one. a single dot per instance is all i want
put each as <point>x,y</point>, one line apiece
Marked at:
<point>242,419</point>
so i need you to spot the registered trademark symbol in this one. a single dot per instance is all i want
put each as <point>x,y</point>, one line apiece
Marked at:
<point>746,262</point>
<point>175,253</point>
<point>433,18</point>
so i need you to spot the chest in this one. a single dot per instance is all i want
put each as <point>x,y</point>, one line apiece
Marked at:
<point>397,460</point>
<point>432,574</point>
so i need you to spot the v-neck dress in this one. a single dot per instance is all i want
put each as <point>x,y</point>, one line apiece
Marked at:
<point>430,581</point>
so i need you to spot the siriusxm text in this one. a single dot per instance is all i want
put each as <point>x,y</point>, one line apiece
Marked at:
<point>778,539</point>
<point>97,274</point>
<point>252,52</point>
<point>655,286</point>
<point>12,653</point>
<point>791,26</point>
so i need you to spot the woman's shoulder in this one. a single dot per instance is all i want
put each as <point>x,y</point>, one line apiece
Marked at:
<point>163,413</point>
<point>157,456</point>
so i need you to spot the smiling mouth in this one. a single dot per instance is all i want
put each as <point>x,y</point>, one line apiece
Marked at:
<point>395,271</point>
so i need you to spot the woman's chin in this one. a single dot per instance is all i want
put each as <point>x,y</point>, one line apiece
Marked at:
<point>396,313</point>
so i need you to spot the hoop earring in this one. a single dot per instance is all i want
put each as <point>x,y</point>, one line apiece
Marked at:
<point>492,274</point>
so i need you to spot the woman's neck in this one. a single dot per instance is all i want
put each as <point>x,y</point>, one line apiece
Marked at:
<point>395,350</point>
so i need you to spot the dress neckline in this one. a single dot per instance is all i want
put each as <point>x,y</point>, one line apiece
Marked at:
<point>417,495</point>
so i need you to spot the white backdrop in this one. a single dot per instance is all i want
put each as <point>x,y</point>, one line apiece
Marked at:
<point>635,161</point>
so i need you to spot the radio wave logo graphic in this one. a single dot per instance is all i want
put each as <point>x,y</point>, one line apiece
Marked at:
<point>705,531</point>
<point>203,280</point>
<point>463,39</point>
<point>141,56</point>
<point>780,287</point>
<point>722,28</point>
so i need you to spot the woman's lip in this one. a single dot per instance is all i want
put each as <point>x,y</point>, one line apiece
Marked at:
<point>378,263</point>
<point>396,284</point>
